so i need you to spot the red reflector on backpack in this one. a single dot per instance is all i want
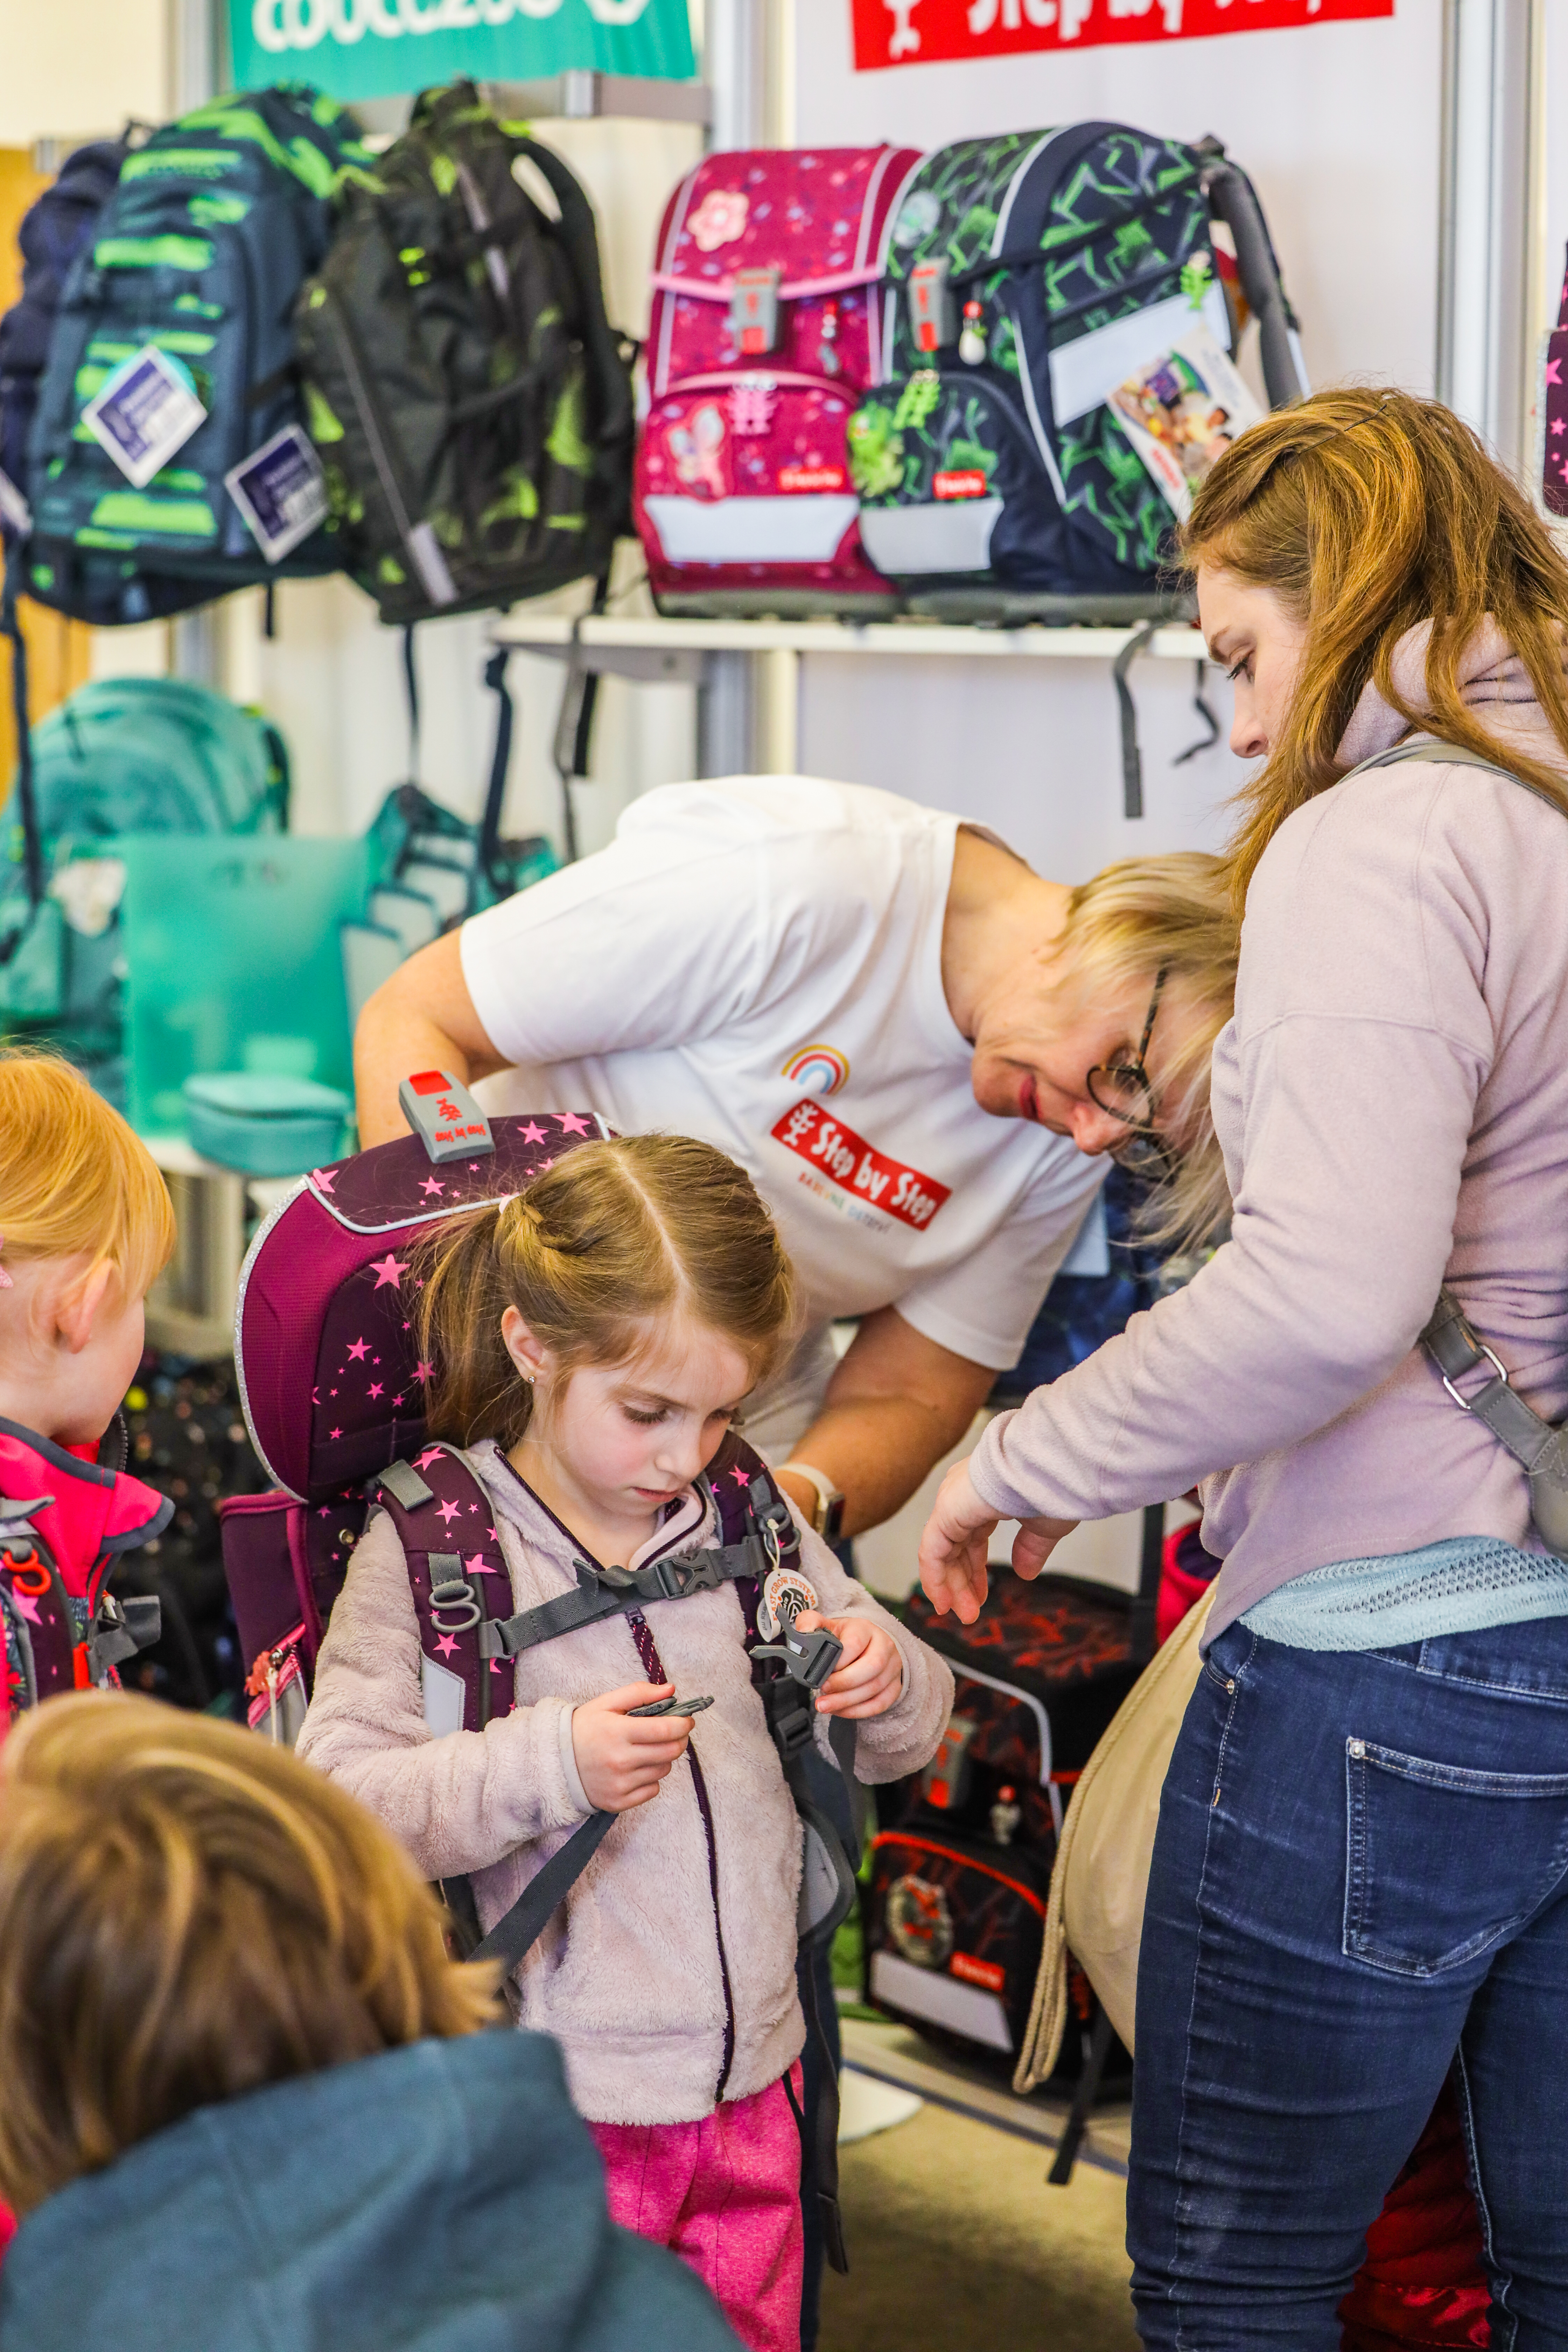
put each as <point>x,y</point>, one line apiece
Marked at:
<point>977,1972</point>
<point>430,1082</point>
<point>970,484</point>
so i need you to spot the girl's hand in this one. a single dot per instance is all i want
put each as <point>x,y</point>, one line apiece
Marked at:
<point>957,1539</point>
<point>869,1676</point>
<point>621,1757</point>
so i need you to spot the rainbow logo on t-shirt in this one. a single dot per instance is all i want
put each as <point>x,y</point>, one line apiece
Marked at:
<point>819,1069</point>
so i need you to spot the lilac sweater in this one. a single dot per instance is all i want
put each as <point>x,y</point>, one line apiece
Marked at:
<point>1392,1099</point>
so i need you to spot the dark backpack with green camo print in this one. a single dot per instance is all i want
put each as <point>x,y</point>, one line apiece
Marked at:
<point>1027,276</point>
<point>471,403</point>
<point>199,254</point>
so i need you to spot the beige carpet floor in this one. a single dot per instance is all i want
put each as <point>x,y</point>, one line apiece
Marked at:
<point>957,2245</point>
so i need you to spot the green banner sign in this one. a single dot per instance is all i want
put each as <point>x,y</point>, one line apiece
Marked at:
<point>382,49</point>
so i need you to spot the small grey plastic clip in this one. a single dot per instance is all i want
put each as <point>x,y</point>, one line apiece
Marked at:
<point>445,1116</point>
<point>755,311</point>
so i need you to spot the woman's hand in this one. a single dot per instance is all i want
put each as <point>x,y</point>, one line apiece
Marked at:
<point>621,1757</point>
<point>869,1676</point>
<point>957,1539</point>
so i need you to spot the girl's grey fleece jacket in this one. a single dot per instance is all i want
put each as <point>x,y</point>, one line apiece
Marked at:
<point>676,1947</point>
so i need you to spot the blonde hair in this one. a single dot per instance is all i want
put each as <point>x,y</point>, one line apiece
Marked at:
<point>616,1235</point>
<point>1367,513</point>
<point>1124,927</point>
<point>74,1178</point>
<point>188,1913</point>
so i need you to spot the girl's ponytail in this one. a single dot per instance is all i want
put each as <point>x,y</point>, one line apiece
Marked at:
<point>475,1390</point>
<point>615,1235</point>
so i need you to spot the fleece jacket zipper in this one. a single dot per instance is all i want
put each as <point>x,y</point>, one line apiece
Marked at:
<point>653,1665</point>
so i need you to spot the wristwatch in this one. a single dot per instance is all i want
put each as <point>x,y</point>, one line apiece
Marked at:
<point>828,1517</point>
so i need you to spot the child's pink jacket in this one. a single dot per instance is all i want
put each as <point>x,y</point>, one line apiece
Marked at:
<point>680,1936</point>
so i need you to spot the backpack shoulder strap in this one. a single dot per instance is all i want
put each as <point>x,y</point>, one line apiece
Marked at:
<point>457,1572</point>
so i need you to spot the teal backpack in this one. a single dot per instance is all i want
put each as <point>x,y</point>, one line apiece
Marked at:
<point>200,253</point>
<point>125,755</point>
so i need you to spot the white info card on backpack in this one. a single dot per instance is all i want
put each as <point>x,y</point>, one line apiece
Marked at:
<point>280,490</point>
<point>146,411</point>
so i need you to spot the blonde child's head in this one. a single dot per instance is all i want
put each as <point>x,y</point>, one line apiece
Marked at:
<point>621,1242</point>
<point>186,1914</point>
<point>85,1226</point>
<point>75,1180</point>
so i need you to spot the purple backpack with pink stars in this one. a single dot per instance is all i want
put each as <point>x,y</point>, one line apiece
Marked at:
<point>331,1378</point>
<point>766,330</point>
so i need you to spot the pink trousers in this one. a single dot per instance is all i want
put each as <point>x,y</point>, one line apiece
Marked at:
<point>724,2195</point>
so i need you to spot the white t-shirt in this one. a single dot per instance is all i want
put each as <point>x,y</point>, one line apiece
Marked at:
<point>757,962</point>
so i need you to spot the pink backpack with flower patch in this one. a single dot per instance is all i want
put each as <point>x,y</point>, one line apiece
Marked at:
<point>764,331</point>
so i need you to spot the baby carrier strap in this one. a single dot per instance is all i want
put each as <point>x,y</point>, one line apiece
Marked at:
<point>1448,1339</point>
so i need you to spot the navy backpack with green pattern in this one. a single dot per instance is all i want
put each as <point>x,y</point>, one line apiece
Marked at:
<point>1028,276</point>
<point>201,251</point>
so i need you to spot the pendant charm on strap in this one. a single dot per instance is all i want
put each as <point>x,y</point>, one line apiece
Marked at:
<point>786,1595</point>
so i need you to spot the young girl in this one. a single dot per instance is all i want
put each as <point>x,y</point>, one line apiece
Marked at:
<point>85,1225</point>
<point>593,1340</point>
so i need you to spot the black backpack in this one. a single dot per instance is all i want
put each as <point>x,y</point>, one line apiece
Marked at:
<point>53,232</point>
<point>471,403</point>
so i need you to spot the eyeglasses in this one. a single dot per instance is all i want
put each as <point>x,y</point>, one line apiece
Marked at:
<point>1123,1091</point>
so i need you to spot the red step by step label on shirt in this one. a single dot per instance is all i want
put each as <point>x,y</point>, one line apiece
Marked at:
<point>846,1159</point>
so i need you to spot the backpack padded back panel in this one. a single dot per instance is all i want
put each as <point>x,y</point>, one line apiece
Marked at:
<point>329,1370</point>
<point>1087,252</point>
<point>763,334</point>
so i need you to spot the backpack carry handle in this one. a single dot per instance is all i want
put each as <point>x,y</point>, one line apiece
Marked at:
<point>1234,200</point>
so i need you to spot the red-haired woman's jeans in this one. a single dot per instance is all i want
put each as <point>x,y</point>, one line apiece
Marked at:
<point>724,2195</point>
<point>1360,1880</point>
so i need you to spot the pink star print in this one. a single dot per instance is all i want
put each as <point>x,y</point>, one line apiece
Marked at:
<point>742,1477</point>
<point>431,1188</point>
<point>325,1512</point>
<point>26,1606</point>
<point>321,1178</point>
<point>397,1399</point>
<point>375,1388</point>
<point>1558,427</point>
<point>531,1134</point>
<point>492,1533</point>
<point>334,1432</point>
<point>315,1396</point>
<point>479,1565</point>
<point>1553,371</point>
<point>388,1270</point>
<point>358,1351</point>
<point>572,1123</point>
<point>449,1512</point>
<point>447,1644</point>
<point>431,1453</point>
<point>424,1372</point>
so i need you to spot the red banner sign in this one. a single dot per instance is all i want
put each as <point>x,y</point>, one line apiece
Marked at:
<point>923,32</point>
<point>854,1166</point>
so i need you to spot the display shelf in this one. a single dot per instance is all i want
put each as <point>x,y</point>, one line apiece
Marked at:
<point>612,634</point>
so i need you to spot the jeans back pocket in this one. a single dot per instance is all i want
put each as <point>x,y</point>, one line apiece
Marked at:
<point>1442,1861</point>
